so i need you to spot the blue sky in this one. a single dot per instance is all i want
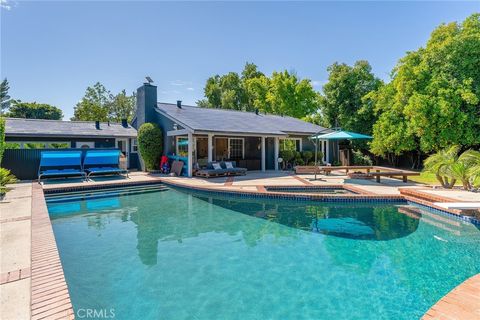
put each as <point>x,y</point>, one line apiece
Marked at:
<point>51,51</point>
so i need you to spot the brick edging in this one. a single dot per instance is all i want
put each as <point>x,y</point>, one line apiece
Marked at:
<point>49,291</point>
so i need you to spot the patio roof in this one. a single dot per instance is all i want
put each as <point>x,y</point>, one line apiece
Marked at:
<point>203,120</point>
<point>341,135</point>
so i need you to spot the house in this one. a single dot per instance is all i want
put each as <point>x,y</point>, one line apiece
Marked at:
<point>201,135</point>
<point>41,134</point>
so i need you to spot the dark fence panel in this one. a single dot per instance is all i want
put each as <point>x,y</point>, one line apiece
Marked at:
<point>23,163</point>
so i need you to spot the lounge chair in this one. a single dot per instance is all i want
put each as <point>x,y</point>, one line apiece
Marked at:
<point>220,169</point>
<point>102,162</point>
<point>54,164</point>
<point>233,170</point>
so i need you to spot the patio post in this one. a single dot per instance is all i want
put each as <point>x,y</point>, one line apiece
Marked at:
<point>262,150</point>
<point>210,147</point>
<point>276,148</point>
<point>190,155</point>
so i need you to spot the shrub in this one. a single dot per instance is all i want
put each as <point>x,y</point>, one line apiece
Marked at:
<point>287,155</point>
<point>6,177</point>
<point>359,159</point>
<point>307,156</point>
<point>150,144</point>
<point>2,137</point>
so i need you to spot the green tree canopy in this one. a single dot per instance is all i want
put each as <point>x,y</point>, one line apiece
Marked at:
<point>34,110</point>
<point>100,104</point>
<point>4,97</point>
<point>433,100</point>
<point>282,93</point>
<point>343,103</point>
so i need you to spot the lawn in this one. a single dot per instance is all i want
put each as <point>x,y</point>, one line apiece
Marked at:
<point>425,177</point>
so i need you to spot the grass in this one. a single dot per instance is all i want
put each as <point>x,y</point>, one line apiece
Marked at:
<point>425,177</point>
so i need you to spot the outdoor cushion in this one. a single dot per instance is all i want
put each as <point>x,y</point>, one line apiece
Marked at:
<point>59,172</point>
<point>228,165</point>
<point>216,166</point>
<point>104,169</point>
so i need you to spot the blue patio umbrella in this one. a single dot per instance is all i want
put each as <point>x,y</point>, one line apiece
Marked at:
<point>341,135</point>
<point>336,135</point>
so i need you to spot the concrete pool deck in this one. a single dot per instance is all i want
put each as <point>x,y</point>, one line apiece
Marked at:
<point>32,281</point>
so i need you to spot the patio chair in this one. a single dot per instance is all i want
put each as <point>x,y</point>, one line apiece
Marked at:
<point>214,169</point>
<point>103,162</point>
<point>55,164</point>
<point>232,169</point>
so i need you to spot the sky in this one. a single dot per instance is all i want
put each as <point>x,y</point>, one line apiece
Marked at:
<point>52,51</point>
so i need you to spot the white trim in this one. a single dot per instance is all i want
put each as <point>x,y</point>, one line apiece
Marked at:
<point>190,155</point>
<point>240,134</point>
<point>180,132</point>
<point>276,149</point>
<point>210,147</point>
<point>133,145</point>
<point>262,150</point>
<point>176,144</point>
<point>243,146</point>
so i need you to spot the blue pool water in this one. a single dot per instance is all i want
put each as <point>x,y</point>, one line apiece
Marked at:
<point>173,255</point>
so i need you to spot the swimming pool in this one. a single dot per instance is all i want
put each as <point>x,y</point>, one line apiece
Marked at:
<point>169,254</point>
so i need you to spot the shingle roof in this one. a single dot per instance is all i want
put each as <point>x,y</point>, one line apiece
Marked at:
<point>58,128</point>
<point>221,120</point>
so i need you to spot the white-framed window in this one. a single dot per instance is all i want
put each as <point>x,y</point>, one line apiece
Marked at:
<point>236,148</point>
<point>291,144</point>
<point>182,146</point>
<point>134,146</point>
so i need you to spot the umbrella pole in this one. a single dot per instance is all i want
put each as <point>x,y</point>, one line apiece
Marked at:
<point>316,155</point>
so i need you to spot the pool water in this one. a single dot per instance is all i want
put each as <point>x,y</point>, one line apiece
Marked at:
<point>175,255</point>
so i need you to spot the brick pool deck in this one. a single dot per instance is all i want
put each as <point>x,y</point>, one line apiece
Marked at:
<point>32,282</point>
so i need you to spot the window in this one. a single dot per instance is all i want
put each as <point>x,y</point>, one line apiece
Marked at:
<point>235,148</point>
<point>37,145</point>
<point>134,146</point>
<point>182,146</point>
<point>291,144</point>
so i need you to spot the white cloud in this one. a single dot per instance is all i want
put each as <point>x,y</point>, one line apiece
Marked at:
<point>177,82</point>
<point>5,4</point>
<point>190,89</point>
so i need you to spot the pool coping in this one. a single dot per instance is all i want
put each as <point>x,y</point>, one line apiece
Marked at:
<point>50,297</point>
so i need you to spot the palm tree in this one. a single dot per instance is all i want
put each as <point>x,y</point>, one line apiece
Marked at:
<point>471,158</point>
<point>440,164</point>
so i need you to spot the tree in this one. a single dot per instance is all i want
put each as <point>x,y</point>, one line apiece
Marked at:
<point>122,107</point>
<point>291,96</point>
<point>4,97</point>
<point>99,104</point>
<point>150,144</point>
<point>343,102</point>
<point>282,93</point>
<point>433,100</point>
<point>94,105</point>
<point>34,110</point>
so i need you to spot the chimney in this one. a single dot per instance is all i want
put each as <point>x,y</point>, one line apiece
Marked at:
<point>179,104</point>
<point>97,125</point>
<point>124,123</point>
<point>146,104</point>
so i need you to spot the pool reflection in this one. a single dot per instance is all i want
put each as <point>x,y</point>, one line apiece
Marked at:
<point>363,221</point>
